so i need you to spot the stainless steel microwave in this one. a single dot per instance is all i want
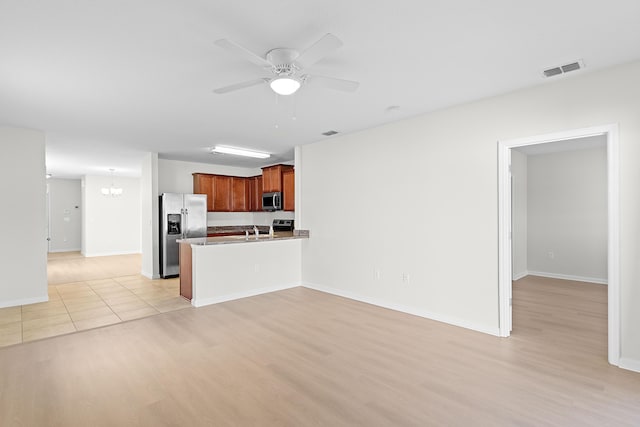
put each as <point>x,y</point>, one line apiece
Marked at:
<point>272,201</point>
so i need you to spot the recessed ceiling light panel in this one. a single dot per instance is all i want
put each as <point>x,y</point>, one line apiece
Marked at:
<point>240,152</point>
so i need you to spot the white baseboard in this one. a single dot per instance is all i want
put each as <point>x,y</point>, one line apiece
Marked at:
<point>24,301</point>
<point>519,276</point>
<point>150,275</point>
<point>95,254</point>
<point>568,277</point>
<point>53,251</point>
<point>629,364</point>
<point>230,297</point>
<point>404,309</point>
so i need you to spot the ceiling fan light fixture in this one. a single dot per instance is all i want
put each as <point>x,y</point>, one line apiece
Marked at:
<point>285,85</point>
<point>240,152</point>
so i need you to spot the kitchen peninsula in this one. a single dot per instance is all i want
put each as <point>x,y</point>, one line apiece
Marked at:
<point>224,268</point>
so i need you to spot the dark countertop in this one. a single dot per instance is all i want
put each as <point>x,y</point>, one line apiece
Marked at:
<point>236,229</point>
<point>206,241</point>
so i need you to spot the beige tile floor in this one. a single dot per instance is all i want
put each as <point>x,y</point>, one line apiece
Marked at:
<point>89,304</point>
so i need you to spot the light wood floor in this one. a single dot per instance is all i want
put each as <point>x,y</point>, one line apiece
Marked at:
<point>87,293</point>
<point>304,358</point>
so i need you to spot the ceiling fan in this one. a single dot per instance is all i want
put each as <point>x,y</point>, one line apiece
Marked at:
<point>287,65</point>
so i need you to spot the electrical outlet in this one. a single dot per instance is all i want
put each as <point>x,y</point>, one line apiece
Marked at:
<point>405,278</point>
<point>551,255</point>
<point>377,274</point>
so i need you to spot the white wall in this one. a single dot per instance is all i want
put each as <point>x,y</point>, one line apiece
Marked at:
<point>65,215</point>
<point>112,224</point>
<point>424,200</point>
<point>177,177</point>
<point>23,247</point>
<point>519,214</point>
<point>149,218</point>
<point>567,215</point>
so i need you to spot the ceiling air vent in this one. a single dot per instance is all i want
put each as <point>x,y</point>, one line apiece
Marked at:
<point>552,72</point>
<point>329,133</point>
<point>573,66</point>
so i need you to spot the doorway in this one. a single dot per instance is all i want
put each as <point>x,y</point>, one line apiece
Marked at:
<point>610,132</point>
<point>64,215</point>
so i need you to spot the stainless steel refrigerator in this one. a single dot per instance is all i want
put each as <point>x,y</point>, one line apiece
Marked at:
<point>182,216</point>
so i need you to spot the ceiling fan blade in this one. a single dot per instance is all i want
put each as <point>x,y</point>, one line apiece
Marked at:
<point>239,86</point>
<point>333,83</point>
<point>246,53</point>
<point>318,50</point>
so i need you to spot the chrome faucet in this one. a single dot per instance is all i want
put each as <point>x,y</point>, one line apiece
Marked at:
<point>255,230</point>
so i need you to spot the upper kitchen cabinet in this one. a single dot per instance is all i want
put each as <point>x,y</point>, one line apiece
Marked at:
<point>203,184</point>
<point>239,194</point>
<point>224,193</point>
<point>255,193</point>
<point>288,190</point>
<point>272,177</point>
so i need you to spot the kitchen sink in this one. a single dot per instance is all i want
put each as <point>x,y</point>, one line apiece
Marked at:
<point>243,237</point>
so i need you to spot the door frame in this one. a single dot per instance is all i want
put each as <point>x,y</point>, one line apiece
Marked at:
<point>48,210</point>
<point>613,224</point>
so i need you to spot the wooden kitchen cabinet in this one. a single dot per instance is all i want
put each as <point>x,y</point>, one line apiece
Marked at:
<point>186,273</point>
<point>203,184</point>
<point>255,193</point>
<point>225,193</point>
<point>239,194</point>
<point>288,190</point>
<point>272,177</point>
<point>222,191</point>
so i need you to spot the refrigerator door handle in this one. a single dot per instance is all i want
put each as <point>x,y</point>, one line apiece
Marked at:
<point>185,229</point>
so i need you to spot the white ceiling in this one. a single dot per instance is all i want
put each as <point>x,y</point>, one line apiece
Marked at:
<point>109,80</point>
